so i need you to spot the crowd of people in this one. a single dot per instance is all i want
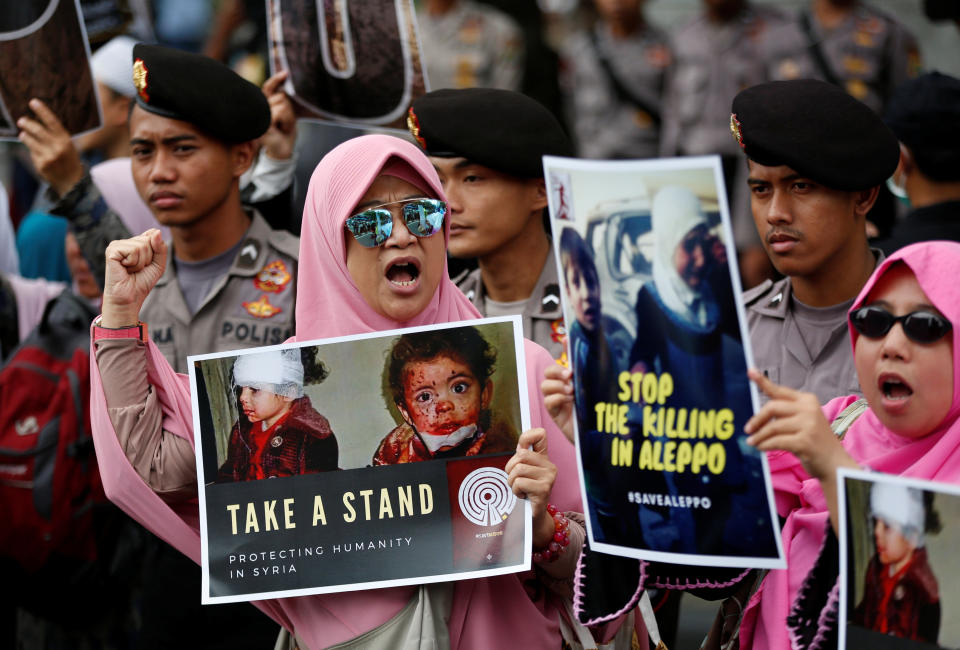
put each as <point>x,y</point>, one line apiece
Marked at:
<point>179,223</point>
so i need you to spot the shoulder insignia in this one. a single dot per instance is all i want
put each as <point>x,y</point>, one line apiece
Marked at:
<point>551,295</point>
<point>272,278</point>
<point>261,308</point>
<point>752,296</point>
<point>248,254</point>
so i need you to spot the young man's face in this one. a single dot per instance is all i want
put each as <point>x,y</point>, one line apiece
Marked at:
<point>488,209</point>
<point>583,289</point>
<point>180,172</point>
<point>806,228</point>
<point>442,395</point>
<point>263,406</point>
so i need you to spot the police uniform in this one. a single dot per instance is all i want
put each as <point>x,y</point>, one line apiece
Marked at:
<point>509,132</point>
<point>471,45</point>
<point>712,63</point>
<point>542,313</point>
<point>783,343</point>
<point>613,88</point>
<point>869,54</point>
<point>824,134</point>
<point>251,306</point>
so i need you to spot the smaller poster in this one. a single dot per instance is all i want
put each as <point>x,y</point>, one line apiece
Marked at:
<point>45,54</point>
<point>656,332</point>
<point>899,567</point>
<point>360,462</point>
<point>351,62</point>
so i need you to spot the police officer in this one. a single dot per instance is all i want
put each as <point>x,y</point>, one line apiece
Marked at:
<point>614,81</point>
<point>487,145</point>
<point>816,159</point>
<point>233,281</point>
<point>846,42</point>
<point>717,53</point>
<point>467,44</point>
<point>924,114</point>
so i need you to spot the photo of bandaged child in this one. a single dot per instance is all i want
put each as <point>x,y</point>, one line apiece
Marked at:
<point>386,400</point>
<point>440,382</point>
<point>277,430</point>
<point>901,561</point>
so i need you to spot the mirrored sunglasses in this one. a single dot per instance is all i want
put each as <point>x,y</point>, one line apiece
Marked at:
<point>920,326</point>
<point>373,227</point>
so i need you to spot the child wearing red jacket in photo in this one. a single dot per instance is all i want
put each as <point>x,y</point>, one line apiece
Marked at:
<point>279,432</point>
<point>901,596</point>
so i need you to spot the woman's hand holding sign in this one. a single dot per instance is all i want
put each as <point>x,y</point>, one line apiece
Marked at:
<point>531,475</point>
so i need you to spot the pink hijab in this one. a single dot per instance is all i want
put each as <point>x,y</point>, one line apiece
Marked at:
<point>487,612</point>
<point>337,185</point>
<point>799,497</point>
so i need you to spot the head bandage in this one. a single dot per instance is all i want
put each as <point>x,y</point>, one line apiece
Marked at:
<point>279,371</point>
<point>901,506</point>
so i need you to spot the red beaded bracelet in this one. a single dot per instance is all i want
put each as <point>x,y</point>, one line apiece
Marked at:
<point>561,537</point>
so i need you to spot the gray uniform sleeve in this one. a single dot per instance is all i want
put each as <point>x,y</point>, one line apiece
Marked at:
<point>166,462</point>
<point>93,223</point>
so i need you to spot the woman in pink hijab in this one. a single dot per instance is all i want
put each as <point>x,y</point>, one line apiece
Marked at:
<point>904,340</point>
<point>344,287</point>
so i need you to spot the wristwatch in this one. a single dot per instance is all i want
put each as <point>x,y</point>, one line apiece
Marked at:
<point>138,331</point>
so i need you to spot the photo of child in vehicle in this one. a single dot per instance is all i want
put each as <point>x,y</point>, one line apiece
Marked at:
<point>278,432</point>
<point>440,382</point>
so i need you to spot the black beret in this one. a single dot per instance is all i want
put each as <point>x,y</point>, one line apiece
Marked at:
<point>196,89</point>
<point>501,129</point>
<point>924,114</point>
<point>816,129</point>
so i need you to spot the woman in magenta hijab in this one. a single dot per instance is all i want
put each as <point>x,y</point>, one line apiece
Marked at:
<point>905,336</point>
<point>353,278</point>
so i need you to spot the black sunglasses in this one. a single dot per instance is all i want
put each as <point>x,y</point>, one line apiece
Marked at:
<point>373,227</point>
<point>920,326</point>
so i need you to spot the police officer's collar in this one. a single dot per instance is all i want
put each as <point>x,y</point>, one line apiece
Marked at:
<point>249,258</point>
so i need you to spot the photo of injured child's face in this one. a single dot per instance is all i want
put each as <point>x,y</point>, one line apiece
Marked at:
<point>440,382</point>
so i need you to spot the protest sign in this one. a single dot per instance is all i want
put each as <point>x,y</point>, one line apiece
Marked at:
<point>45,54</point>
<point>656,342</point>
<point>898,560</point>
<point>385,454</point>
<point>351,62</point>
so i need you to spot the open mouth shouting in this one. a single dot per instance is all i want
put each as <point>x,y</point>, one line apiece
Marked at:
<point>403,273</point>
<point>895,391</point>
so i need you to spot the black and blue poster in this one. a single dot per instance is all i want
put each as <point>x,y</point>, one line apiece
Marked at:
<point>655,334</point>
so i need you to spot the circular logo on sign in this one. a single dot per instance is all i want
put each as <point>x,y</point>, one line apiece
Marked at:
<point>485,497</point>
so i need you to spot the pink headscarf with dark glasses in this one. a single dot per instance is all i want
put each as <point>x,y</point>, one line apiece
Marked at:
<point>936,456</point>
<point>331,305</point>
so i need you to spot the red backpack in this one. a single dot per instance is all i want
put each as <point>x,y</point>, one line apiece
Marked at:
<point>49,480</point>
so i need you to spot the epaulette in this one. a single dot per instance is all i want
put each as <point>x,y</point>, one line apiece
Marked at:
<point>751,296</point>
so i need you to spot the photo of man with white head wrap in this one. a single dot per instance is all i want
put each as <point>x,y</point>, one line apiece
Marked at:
<point>278,432</point>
